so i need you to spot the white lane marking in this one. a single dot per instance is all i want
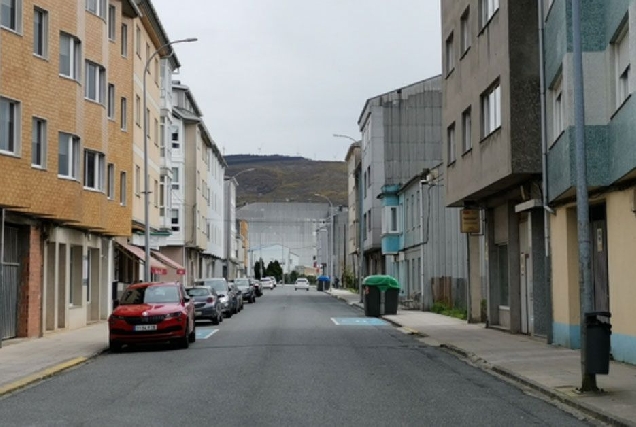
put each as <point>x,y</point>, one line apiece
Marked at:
<point>335,321</point>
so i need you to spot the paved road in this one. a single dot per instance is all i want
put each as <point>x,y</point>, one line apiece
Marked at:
<point>292,359</point>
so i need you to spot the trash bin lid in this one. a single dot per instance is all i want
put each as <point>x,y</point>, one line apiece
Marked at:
<point>383,282</point>
<point>323,278</point>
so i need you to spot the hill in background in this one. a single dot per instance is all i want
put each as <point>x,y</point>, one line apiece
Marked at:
<point>278,178</point>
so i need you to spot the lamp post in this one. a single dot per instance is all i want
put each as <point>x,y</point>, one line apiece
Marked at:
<point>147,276</point>
<point>329,236</point>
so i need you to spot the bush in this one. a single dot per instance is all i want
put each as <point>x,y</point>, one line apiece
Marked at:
<point>442,308</point>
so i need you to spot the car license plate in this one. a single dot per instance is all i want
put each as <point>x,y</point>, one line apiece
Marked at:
<point>145,327</point>
<point>198,313</point>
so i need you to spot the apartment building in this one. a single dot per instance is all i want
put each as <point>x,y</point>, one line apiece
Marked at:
<point>231,229</point>
<point>214,255</point>
<point>610,134</point>
<point>398,142</point>
<point>492,152</point>
<point>65,159</point>
<point>352,158</point>
<point>192,148</point>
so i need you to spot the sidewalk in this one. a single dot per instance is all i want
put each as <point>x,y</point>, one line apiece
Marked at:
<point>552,370</point>
<point>23,362</point>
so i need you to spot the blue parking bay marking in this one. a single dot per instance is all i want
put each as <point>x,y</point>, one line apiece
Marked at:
<point>358,321</point>
<point>204,334</point>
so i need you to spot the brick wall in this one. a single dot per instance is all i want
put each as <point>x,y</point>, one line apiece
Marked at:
<point>30,295</point>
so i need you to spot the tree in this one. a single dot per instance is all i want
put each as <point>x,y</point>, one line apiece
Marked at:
<point>293,276</point>
<point>258,267</point>
<point>274,269</point>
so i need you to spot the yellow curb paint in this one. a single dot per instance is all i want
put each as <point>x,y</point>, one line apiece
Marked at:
<point>410,330</point>
<point>38,376</point>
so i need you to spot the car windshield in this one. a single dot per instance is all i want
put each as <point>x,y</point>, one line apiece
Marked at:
<point>242,282</point>
<point>150,295</point>
<point>244,288</point>
<point>217,285</point>
<point>198,292</point>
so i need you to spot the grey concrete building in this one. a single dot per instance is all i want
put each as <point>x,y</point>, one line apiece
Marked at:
<point>353,161</point>
<point>293,226</point>
<point>491,128</point>
<point>400,137</point>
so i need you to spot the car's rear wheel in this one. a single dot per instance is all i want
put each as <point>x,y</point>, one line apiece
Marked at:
<point>307,289</point>
<point>115,346</point>
<point>184,341</point>
<point>192,336</point>
<point>215,320</point>
<point>228,314</point>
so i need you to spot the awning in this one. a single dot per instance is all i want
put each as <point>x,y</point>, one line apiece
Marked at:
<point>170,262</point>
<point>156,267</point>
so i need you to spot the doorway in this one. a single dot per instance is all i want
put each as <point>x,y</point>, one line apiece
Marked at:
<point>598,259</point>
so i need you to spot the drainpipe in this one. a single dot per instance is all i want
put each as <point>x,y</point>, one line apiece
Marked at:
<point>422,243</point>
<point>547,264</point>
<point>2,210</point>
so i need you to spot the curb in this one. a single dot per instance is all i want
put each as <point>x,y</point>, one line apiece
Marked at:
<point>597,414</point>
<point>46,373</point>
<point>484,365</point>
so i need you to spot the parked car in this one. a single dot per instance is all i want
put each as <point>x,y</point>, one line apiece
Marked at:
<point>247,289</point>
<point>207,304</point>
<point>226,295</point>
<point>239,297</point>
<point>301,283</point>
<point>152,312</point>
<point>258,289</point>
<point>267,283</point>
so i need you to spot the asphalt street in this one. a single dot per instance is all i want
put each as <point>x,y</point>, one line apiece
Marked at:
<point>294,358</point>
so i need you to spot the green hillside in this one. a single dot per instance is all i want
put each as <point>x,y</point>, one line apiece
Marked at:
<point>287,179</point>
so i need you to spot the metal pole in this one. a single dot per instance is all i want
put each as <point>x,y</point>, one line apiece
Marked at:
<point>422,245</point>
<point>360,241</point>
<point>547,266</point>
<point>582,201</point>
<point>331,246</point>
<point>147,276</point>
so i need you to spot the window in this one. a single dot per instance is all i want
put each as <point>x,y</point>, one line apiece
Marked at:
<point>558,109</point>
<point>622,65</point>
<point>391,219</point>
<point>464,30</point>
<point>93,170</point>
<point>137,181</point>
<point>124,40</point>
<point>175,220</point>
<point>95,82</point>
<point>451,143</point>
<point>124,113</point>
<point>450,55</point>
<point>110,181</point>
<point>40,32</point>
<point>175,137</point>
<point>162,195</point>
<point>68,156</point>
<point>156,132</point>
<point>138,41</point>
<point>175,178</point>
<point>137,110</point>
<point>112,22</point>
<point>491,110</point>
<point>9,126</point>
<point>487,9</point>
<point>467,143</point>
<point>38,143</point>
<point>98,7</point>
<point>364,228</point>
<point>70,56</point>
<point>11,14</point>
<point>156,194</point>
<point>122,188</point>
<point>111,101</point>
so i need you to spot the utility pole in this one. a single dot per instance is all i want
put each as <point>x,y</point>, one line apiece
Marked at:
<point>588,382</point>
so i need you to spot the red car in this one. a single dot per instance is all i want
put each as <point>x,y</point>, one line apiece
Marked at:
<point>152,312</point>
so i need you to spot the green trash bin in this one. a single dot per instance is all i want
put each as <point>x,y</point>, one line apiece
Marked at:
<point>380,295</point>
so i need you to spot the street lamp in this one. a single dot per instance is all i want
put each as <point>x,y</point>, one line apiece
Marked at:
<point>329,235</point>
<point>243,171</point>
<point>339,135</point>
<point>147,276</point>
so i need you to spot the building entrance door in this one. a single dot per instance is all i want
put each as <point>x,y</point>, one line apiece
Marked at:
<point>598,225</point>
<point>10,281</point>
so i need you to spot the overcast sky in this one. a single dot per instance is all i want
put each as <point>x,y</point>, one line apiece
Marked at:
<point>282,76</point>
